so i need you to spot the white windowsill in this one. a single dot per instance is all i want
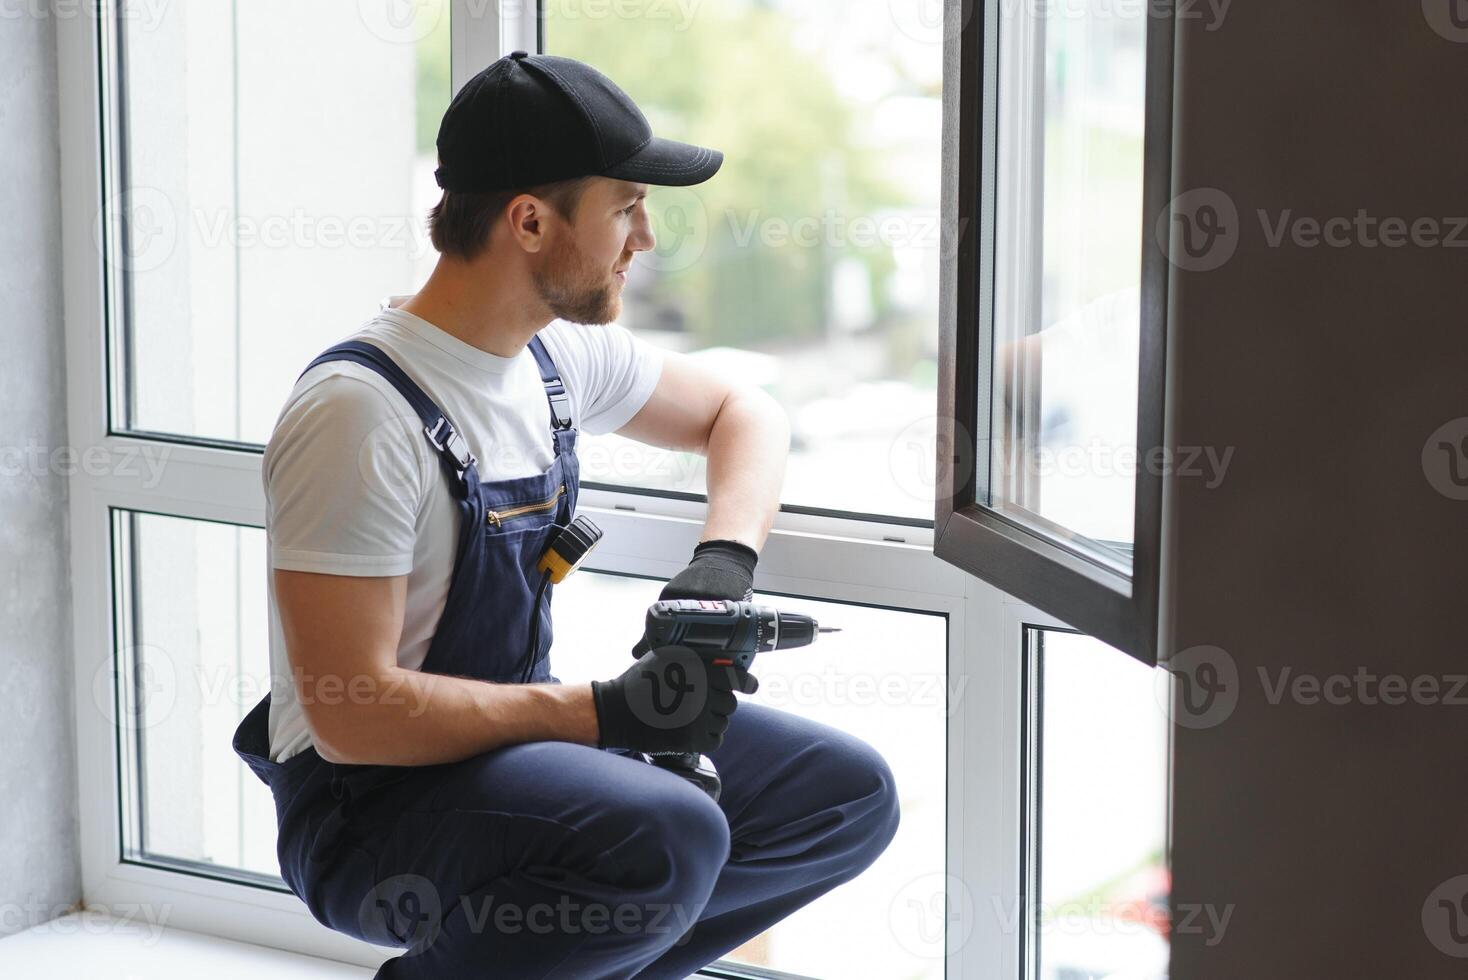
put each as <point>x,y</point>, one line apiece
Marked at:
<point>101,948</point>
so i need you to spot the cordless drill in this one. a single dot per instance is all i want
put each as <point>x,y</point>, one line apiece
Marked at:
<point>723,633</point>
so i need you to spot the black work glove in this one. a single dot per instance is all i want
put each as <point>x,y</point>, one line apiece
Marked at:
<point>719,569</point>
<point>671,700</point>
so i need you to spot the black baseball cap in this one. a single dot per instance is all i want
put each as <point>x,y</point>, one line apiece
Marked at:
<point>532,119</point>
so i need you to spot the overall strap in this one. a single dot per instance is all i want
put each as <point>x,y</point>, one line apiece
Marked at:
<point>445,439</point>
<point>555,393</point>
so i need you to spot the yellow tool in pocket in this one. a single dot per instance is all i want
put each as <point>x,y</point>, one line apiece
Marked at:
<point>569,548</point>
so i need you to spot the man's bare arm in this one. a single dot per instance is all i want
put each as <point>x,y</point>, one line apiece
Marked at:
<point>741,429</point>
<point>342,634</point>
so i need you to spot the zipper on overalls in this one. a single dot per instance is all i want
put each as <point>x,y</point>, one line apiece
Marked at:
<point>498,517</point>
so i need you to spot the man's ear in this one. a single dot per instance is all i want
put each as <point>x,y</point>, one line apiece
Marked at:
<point>525,217</point>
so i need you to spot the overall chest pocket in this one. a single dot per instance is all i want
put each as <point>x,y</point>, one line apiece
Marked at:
<point>520,514</point>
<point>514,617</point>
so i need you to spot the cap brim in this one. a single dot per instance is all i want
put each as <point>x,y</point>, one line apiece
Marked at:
<point>668,163</point>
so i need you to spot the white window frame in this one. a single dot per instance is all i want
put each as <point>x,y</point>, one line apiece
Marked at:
<point>808,555</point>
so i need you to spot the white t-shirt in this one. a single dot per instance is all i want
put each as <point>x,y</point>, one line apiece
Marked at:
<point>353,488</point>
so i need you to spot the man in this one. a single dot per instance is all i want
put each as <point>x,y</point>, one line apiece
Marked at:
<point>437,788</point>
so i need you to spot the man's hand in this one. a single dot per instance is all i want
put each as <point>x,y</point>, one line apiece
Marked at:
<point>671,700</point>
<point>720,569</point>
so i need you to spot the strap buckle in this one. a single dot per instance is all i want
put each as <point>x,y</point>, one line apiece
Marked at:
<point>560,404</point>
<point>446,439</point>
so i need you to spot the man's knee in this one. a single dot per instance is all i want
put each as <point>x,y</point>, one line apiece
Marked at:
<point>671,837</point>
<point>864,787</point>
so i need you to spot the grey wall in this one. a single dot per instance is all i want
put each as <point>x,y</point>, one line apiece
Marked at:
<point>39,865</point>
<point>1335,544</point>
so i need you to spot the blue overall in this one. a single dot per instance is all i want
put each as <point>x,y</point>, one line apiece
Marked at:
<point>555,859</point>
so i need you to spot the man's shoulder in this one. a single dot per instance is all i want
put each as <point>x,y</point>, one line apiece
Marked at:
<point>342,400</point>
<point>582,342</point>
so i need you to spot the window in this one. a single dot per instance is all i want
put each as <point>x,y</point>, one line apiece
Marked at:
<point>849,680</point>
<point>268,189</point>
<point>1068,253</point>
<point>1097,765</point>
<point>242,185</point>
<point>1056,336</point>
<point>808,264</point>
<point>191,659</point>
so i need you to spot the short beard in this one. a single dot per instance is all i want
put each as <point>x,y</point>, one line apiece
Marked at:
<point>573,290</point>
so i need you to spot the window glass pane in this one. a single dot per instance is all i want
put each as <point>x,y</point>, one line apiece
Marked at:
<point>852,681</point>
<point>276,169</point>
<point>192,658</point>
<point>1103,884</point>
<point>1068,265</point>
<point>809,264</point>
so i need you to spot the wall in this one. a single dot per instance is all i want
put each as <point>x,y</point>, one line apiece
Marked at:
<point>39,864</point>
<point>1330,833</point>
